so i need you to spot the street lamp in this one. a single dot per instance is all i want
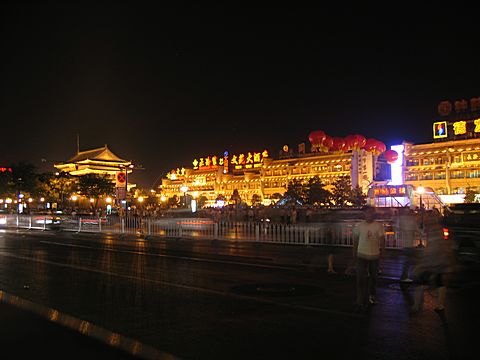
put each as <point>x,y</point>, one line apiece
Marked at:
<point>421,191</point>
<point>124,167</point>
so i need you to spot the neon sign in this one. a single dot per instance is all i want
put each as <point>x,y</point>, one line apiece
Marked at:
<point>460,127</point>
<point>444,129</point>
<point>175,174</point>
<point>249,160</point>
<point>440,130</point>
<point>390,190</point>
<point>208,163</point>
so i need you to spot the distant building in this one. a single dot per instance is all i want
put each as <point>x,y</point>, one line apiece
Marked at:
<point>95,161</point>
<point>451,163</point>
<point>256,175</point>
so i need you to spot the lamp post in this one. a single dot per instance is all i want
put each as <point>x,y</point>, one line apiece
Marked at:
<point>124,167</point>
<point>421,191</point>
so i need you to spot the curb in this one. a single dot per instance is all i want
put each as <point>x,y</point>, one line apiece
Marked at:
<point>87,328</point>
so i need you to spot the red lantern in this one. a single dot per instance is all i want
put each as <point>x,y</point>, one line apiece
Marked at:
<point>338,144</point>
<point>317,137</point>
<point>358,142</point>
<point>391,156</point>
<point>370,145</point>
<point>381,147</point>
<point>327,143</point>
<point>349,142</point>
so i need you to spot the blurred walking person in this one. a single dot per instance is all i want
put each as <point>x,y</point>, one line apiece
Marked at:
<point>408,230</point>
<point>435,263</point>
<point>330,243</point>
<point>368,242</point>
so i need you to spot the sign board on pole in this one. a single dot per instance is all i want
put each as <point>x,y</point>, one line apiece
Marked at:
<point>121,193</point>
<point>121,179</point>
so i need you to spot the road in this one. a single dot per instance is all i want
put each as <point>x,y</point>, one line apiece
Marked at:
<point>193,299</point>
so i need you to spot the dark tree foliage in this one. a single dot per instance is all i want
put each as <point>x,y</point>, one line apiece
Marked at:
<point>295,194</point>
<point>358,198</point>
<point>22,179</point>
<point>57,188</point>
<point>236,197</point>
<point>316,194</point>
<point>470,195</point>
<point>95,186</point>
<point>342,190</point>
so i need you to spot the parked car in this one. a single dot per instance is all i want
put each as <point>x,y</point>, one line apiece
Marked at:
<point>3,220</point>
<point>462,224</point>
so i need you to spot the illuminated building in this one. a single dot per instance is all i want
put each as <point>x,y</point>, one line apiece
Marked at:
<point>451,163</point>
<point>95,161</point>
<point>258,177</point>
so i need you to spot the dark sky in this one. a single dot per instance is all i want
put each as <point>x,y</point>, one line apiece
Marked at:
<point>162,86</point>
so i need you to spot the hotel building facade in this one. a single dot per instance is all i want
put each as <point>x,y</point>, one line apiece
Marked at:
<point>445,167</point>
<point>451,163</point>
<point>256,175</point>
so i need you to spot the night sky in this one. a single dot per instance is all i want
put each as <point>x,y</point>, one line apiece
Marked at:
<point>162,86</point>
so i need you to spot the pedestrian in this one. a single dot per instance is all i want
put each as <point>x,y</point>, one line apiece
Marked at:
<point>434,265</point>
<point>293,216</point>
<point>408,230</point>
<point>368,242</point>
<point>330,243</point>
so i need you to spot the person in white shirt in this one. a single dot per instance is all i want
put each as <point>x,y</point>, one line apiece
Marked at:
<point>368,241</point>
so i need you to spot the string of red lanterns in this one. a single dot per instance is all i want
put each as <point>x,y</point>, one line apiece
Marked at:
<point>320,141</point>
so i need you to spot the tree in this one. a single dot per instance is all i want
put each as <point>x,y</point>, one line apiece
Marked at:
<point>236,197</point>
<point>94,186</point>
<point>470,195</point>
<point>6,182</point>
<point>342,191</point>
<point>358,198</point>
<point>201,201</point>
<point>173,202</point>
<point>22,179</point>
<point>295,193</point>
<point>256,199</point>
<point>57,188</point>
<point>316,194</point>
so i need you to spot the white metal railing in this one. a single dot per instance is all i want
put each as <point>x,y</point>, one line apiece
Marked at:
<point>299,234</point>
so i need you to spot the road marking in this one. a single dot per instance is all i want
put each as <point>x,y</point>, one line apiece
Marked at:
<point>187,287</point>
<point>185,258</point>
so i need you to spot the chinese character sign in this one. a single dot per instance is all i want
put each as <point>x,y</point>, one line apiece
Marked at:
<point>390,190</point>
<point>249,160</point>
<point>460,127</point>
<point>471,157</point>
<point>451,129</point>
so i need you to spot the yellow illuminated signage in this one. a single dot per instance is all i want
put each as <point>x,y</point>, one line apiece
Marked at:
<point>460,127</point>
<point>208,162</point>
<point>471,157</point>
<point>175,174</point>
<point>477,125</point>
<point>440,129</point>
<point>248,160</point>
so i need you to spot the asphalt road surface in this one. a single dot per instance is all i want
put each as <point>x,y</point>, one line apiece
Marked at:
<point>191,299</point>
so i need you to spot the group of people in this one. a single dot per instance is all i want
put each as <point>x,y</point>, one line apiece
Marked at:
<point>425,267</point>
